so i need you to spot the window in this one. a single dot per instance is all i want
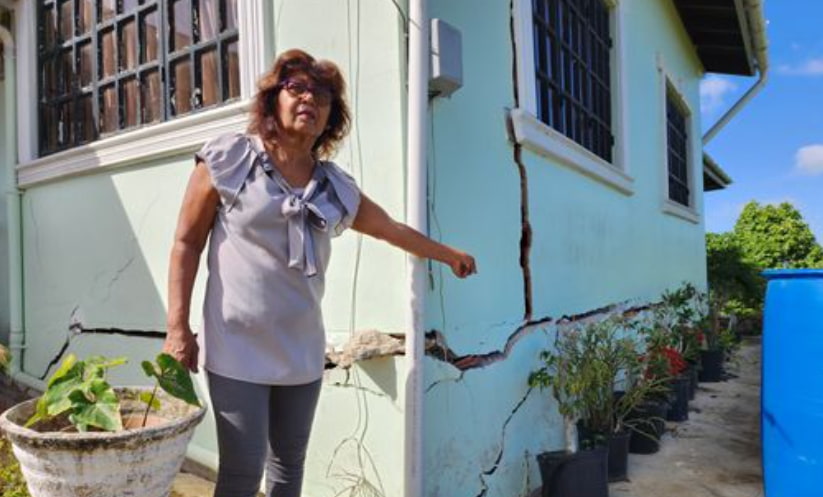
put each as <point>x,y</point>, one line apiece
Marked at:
<point>677,140</point>
<point>5,21</point>
<point>572,53</point>
<point>572,88</point>
<point>105,66</point>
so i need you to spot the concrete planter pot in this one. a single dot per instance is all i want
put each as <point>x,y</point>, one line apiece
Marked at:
<point>138,462</point>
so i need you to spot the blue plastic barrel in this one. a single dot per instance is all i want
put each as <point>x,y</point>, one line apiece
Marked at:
<point>792,388</point>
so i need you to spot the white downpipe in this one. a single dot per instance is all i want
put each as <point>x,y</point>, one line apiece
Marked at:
<point>416,217</point>
<point>757,25</point>
<point>16,335</point>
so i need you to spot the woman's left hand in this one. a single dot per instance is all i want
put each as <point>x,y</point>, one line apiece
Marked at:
<point>463,264</point>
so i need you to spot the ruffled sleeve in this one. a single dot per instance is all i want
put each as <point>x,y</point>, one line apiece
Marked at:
<point>229,159</point>
<point>347,191</point>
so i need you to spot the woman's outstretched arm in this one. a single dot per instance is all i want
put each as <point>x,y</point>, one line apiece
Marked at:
<point>193,226</point>
<point>372,220</point>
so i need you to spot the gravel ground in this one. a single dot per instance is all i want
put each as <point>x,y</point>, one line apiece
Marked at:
<point>716,453</point>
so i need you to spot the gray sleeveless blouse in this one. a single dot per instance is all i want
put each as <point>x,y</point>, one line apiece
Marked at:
<point>267,258</point>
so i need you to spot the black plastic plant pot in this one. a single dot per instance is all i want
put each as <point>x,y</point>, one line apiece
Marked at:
<point>648,425</point>
<point>679,408</point>
<point>581,474</point>
<point>694,375</point>
<point>712,361</point>
<point>619,456</point>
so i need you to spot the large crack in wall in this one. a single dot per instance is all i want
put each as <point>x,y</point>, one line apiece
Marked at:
<point>76,329</point>
<point>484,488</point>
<point>525,225</point>
<point>363,344</point>
<point>438,348</point>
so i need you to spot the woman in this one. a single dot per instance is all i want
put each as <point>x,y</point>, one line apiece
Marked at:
<point>271,208</point>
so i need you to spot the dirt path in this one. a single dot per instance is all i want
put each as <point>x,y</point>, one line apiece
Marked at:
<point>716,453</point>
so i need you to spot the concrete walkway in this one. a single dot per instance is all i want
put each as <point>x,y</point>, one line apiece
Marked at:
<point>716,453</point>
<point>188,485</point>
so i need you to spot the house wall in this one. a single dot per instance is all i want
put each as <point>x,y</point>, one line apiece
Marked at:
<point>592,246</point>
<point>5,122</point>
<point>97,246</point>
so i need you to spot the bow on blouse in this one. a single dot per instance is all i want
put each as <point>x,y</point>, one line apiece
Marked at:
<point>302,216</point>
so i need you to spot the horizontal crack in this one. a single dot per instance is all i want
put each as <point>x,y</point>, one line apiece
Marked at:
<point>117,331</point>
<point>76,329</point>
<point>437,348</point>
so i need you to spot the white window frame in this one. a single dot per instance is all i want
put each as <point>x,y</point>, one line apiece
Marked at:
<point>542,139</point>
<point>669,87</point>
<point>165,139</point>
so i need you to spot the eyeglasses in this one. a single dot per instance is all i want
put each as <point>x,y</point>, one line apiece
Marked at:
<point>322,94</point>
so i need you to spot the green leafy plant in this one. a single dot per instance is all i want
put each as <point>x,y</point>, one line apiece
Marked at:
<point>12,483</point>
<point>582,372</point>
<point>172,377</point>
<point>714,324</point>
<point>764,236</point>
<point>679,315</point>
<point>79,390</point>
<point>5,359</point>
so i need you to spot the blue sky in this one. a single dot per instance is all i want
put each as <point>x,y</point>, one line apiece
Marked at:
<point>773,149</point>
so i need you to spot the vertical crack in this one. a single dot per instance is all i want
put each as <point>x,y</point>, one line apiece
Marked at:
<point>488,472</point>
<point>525,229</point>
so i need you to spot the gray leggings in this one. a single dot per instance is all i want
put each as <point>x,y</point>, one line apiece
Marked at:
<point>261,426</point>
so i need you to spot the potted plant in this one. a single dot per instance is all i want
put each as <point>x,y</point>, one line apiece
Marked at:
<point>662,397</point>
<point>582,371</point>
<point>719,338</point>
<point>641,406</point>
<point>679,313</point>
<point>83,437</point>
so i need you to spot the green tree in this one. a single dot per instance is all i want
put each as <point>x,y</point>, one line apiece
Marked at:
<point>775,236</point>
<point>735,285</point>
<point>765,236</point>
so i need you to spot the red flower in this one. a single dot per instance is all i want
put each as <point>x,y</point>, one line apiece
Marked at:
<point>676,363</point>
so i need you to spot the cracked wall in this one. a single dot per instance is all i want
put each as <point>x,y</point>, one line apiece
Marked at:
<point>97,246</point>
<point>552,246</point>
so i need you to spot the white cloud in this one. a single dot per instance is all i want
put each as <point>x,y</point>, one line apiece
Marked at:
<point>812,67</point>
<point>713,91</point>
<point>809,159</point>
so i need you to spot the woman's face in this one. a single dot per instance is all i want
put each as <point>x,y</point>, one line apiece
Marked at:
<point>303,106</point>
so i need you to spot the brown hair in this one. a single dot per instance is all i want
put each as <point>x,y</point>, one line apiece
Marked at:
<point>323,72</point>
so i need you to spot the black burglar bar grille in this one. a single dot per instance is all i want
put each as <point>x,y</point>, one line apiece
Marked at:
<point>111,65</point>
<point>572,45</point>
<point>677,145</point>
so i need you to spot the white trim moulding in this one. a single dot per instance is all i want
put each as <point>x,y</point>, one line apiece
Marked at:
<point>674,209</point>
<point>150,143</point>
<point>545,141</point>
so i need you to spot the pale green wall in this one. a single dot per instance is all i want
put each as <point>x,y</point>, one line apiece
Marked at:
<point>592,246</point>
<point>97,250</point>
<point>364,421</point>
<point>5,122</point>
